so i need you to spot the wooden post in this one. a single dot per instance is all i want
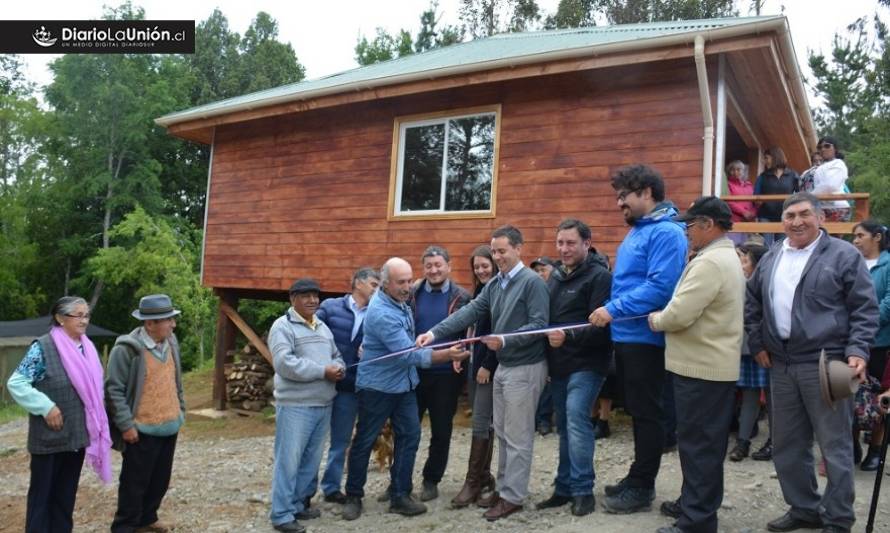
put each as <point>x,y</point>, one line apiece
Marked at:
<point>225,341</point>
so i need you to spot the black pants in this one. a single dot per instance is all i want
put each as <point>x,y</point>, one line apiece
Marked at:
<point>145,476</point>
<point>704,410</point>
<point>437,393</point>
<point>641,368</point>
<point>54,478</point>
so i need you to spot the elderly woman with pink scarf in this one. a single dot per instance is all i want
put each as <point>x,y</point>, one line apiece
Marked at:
<point>60,383</point>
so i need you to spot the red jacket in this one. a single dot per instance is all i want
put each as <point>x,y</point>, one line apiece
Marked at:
<point>741,211</point>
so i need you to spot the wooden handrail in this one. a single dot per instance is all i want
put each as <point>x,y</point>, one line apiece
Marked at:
<point>771,197</point>
<point>861,212</point>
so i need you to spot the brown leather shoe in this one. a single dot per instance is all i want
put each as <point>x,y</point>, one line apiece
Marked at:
<point>157,527</point>
<point>501,509</point>
<point>489,501</point>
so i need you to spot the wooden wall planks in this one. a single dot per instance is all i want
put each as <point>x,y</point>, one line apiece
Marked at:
<point>306,194</point>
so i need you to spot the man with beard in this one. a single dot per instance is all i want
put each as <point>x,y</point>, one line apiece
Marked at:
<point>647,267</point>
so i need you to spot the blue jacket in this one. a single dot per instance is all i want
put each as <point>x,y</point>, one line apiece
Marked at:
<point>335,312</point>
<point>389,327</point>
<point>880,276</point>
<point>649,263</point>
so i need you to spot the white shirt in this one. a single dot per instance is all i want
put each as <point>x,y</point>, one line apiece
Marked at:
<point>786,277</point>
<point>830,178</point>
<point>870,263</point>
<point>504,279</point>
<point>359,313</point>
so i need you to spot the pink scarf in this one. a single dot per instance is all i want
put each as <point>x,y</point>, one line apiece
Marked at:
<point>85,373</point>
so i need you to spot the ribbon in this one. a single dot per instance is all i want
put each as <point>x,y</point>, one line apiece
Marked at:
<point>470,340</point>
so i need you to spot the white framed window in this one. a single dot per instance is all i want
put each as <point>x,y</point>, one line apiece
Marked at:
<point>445,164</point>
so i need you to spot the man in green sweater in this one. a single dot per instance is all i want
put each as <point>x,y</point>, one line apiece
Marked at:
<point>516,300</point>
<point>703,333</point>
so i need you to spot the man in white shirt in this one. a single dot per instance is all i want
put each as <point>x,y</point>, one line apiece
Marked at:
<point>809,293</point>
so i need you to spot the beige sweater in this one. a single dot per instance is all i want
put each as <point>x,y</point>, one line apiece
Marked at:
<point>703,322</point>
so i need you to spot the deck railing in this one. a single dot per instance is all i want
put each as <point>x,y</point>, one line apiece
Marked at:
<point>860,212</point>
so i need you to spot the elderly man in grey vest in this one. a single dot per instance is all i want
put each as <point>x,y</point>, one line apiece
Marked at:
<point>143,388</point>
<point>810,292</point>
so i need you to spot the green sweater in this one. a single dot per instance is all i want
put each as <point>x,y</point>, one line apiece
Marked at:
<point>524,304</point>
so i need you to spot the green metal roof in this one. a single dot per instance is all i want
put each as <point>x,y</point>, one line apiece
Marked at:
<point>478,55</point>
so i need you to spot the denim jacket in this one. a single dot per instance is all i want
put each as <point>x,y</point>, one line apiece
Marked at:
<point>389,327</point>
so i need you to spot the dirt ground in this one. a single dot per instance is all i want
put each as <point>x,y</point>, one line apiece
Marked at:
<point>222,475</point>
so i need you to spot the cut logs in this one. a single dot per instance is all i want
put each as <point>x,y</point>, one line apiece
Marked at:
<point>249,380</point>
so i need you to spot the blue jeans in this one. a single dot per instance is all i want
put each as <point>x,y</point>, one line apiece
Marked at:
<point>573,398</point>
<point>544,412</point>
<point>374,408</point>
<point>342,424</point>
<point>299,440</point>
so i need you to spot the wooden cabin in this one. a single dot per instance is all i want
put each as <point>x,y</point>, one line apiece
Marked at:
<point>321,177</point>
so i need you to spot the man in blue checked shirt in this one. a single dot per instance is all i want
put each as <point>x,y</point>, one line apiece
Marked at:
<point>385,390</point>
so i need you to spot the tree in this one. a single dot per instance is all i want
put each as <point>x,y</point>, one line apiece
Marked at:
<point>151,256</point>
<point>572,14</point>
<point>633,11</point>
<point>484,18</point>
<point>386,46</point>
<point>266,62</point>
<point>846,83</point>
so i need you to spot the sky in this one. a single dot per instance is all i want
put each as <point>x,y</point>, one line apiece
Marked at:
<point>323,33</point>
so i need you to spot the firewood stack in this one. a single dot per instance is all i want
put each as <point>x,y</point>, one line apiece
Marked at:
<point>249,380</point>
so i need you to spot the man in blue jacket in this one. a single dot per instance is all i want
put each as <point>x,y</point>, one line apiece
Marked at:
<point>647,268</point>
<point>345,316</point>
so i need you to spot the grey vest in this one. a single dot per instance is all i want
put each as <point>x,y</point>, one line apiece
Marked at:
<point>56,385</point>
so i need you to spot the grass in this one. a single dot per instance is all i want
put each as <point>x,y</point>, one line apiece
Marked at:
<point>11,412</point>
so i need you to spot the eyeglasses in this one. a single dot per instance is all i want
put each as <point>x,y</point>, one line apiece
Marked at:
<point>825,145</point>
<point>79,317</point>
<point>692,224</point>
<point>623,194</point>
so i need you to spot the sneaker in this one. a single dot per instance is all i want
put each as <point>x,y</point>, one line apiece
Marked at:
<point>406,506</point>
<point>614,490</point>
<point>430,491</point>
<point>335,497</point>
<point>671,509</point>
<point>352,509</point>
<point>765,453</point>
<point>630,500</point>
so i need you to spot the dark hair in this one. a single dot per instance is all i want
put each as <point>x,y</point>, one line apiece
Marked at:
<point>833,142</point>
<point>364,273</point>
<point>637,178</point>
<point>433,251</point>
<point>876,228</point>
<point>800,197</point>
<point>754,251</point>
<point>483,250</point>
<point>778,155</point>
<point>64,306</point>
<point>513,235</point>
<point>573,223</point>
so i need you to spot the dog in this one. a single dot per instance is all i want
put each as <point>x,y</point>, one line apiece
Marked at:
<point>383,448</point>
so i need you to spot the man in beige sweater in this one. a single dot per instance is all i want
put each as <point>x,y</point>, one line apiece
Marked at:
<point>703,332</point>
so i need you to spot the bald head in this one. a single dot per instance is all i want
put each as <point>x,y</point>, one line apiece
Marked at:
<point>395,278</point>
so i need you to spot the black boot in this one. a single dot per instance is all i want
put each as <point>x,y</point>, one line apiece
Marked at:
<point>872,459</point>
<point>742,447</point>
<point>601,429</point>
